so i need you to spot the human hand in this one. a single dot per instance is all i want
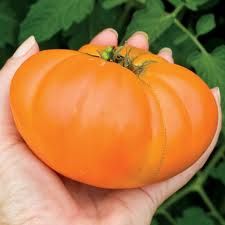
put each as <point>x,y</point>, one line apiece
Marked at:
<point>33,194</point>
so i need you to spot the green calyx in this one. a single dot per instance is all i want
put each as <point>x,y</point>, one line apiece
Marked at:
<point>112,54</point>
<point>107,54</point>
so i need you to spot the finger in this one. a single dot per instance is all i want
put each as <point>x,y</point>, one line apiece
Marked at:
<point>167,54</point>
<point>139,40</point>
<point>216,94</point>
<point>108,36</point>
<point>162,190</point>
<point>28,48</point>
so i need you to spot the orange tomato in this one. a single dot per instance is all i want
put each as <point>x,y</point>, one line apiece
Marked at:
<point>112,117</point>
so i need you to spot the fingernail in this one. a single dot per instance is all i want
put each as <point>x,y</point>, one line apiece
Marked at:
<point>25,47</point>
<point>112,31</point>
<point>216,90</point>
<point>167,51</point>
<point>140,34</point>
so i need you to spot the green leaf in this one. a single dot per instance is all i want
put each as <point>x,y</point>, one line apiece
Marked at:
<point>178,41</point>
<point>211,68</point>
<point>8,25</point>
<point>105,19</point>
<point>218,172</point>
<point>194,4</point>
<point>194,215</point>
<point>21,9</point>
<point>108,4</point>
<point>83,32</point>
<point>176,2</point>
<point>141,1</point>
<point>5,53</point>
<point>205,24</point>
<point>154,222</point>
<point>209,5</point>
<point>47,17</point>
<point>80,35</point>
<point>152,19</point>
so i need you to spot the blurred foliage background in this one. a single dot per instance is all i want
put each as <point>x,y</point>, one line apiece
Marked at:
<point>194,29</point>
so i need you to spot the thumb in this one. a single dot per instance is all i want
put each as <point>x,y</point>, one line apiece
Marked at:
<point>27,49</point>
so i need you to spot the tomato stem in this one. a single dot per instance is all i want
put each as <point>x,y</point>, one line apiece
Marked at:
<point>113,54</point>
<point>107,53</point>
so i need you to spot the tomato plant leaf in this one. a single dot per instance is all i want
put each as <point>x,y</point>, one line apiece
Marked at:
<point>194,4</point>
<point>108,4</point>
<point>8,25</point>
<point>83,32</point>
<point>141,1</point>
<point>205,24</point>
<point>106,18</point>
<point>211,68</point>
<point>218,172</point>
<point>20,9</point>
<point>5,53</point>
<point>152,19</point>
<point>176,2</point>
<point>194,214</point>
<point>178,41</point>
<point>154,222</point>
<point>47,17</point>
<point>80,35</point>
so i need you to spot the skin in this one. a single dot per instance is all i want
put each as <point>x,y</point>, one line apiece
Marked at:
<point>32,194</point>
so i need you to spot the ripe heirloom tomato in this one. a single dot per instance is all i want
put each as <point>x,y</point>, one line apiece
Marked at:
<point>112,117</point>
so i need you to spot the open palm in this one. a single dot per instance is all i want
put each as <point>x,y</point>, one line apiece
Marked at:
<point>33,194</point>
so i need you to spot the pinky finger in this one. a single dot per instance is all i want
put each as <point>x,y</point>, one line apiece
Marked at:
<point>167,54</point>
